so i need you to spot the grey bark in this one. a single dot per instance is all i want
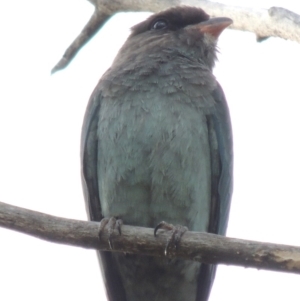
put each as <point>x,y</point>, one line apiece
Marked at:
<point>203,247</point>
<point>272,22</point>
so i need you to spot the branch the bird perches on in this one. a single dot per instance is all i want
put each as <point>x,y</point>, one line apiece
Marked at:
<point>203,247</point>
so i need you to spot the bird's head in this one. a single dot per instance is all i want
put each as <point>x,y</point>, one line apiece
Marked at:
<point>185,31</point>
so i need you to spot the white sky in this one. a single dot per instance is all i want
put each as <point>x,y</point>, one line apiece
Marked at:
<point>40,123</point>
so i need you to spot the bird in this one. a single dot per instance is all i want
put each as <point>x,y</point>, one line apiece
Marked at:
<point>157,145</point>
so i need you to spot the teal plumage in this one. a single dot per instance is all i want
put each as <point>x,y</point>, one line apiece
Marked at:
<point>157,145</point>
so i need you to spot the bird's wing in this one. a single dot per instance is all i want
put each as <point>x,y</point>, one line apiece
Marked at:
<point>221,153</point>
<point>89,154</point>
<point>221,125</point>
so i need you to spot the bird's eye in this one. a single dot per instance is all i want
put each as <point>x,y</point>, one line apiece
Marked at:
<point>159,24</point>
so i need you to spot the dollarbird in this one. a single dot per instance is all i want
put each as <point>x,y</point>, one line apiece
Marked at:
<point>157,145</point>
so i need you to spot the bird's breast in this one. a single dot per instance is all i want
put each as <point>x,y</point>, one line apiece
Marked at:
<point>154,161</point>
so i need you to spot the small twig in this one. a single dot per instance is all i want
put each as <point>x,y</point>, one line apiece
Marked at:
<point>94,24</point>
<point>195,246</point>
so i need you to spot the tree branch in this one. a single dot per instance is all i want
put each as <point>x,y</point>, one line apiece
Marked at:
<point>96,21</point>
<point>272,22</point>
<point>195,246</point>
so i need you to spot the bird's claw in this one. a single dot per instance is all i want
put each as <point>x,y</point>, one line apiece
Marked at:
<point>177,232</point>
<point>112,223</point>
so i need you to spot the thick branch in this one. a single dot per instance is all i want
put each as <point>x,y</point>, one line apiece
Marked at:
<point>276,21</point>
<point>202,247</point>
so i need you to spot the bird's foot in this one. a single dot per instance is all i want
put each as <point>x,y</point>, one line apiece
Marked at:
<point>112,223</point>
<point>176,234</point>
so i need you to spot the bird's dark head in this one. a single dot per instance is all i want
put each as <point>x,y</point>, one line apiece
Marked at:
<point>184,31</point>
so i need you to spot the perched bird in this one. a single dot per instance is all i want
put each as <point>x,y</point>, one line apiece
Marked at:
<point>157,145</point>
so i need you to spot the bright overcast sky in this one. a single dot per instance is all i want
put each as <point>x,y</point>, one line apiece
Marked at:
<point>40,123</point>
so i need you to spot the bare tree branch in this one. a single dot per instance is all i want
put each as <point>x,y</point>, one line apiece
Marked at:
<point>96,21</point>
<point>272,22</point>
<point>195,246</point>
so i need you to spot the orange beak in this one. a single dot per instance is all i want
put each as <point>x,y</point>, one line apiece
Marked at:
<point>214,26</point>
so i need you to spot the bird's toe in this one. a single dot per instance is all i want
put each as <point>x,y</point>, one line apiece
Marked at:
<point>112,223</point>
<point>176,233</point>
